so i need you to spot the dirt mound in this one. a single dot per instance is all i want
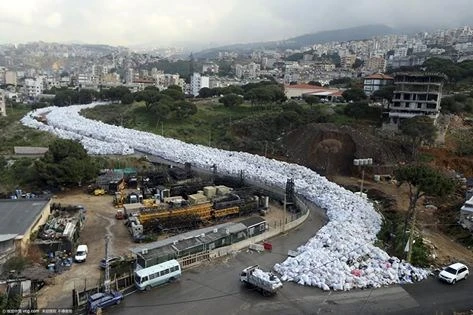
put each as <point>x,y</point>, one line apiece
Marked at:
<point>330,149</point>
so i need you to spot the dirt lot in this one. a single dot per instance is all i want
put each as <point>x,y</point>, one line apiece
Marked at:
<point>445,249</point>
<point>100,222</point>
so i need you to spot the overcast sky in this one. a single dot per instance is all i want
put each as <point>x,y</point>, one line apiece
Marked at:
<point>165,22</point>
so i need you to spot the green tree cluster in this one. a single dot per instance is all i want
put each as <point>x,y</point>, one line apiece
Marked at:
<point>418,129</point>
<point>354,95</point>
<point>361,110</point>
<point>65,164</point>
<point>231,100</point>
<point>422,180</point>
<point>454,71</point>
<point>166,104</point>
<point>457,104</point>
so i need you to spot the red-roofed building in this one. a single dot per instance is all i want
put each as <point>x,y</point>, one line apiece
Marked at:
<point>375,82</point>
<point>299,91</point>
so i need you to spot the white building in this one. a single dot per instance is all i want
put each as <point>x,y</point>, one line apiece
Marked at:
<point>34,87</point>
<point>198,82</point>
<point>3,108</point>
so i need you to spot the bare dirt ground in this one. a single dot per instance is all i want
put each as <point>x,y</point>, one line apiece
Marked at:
<point>100,222</point>
<point>445,249</point>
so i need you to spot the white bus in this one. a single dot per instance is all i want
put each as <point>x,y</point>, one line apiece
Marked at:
<point>155,275</point>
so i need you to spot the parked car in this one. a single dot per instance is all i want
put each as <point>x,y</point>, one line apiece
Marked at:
<point>112,261</point>
<point>454,273</point>
<point>103,300</point>
<point>81,253</point>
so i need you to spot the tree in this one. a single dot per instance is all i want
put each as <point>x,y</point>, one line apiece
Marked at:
<point>127,99</point>
<point>422,180</point>
<point>174,94</point>
<point>149,96</point>
<point>418,129</point>
<point>386,92</point>
<point>206,92</point>
<point>66,163</point>
<point>312,99</point>
<point>354,95</point>
<point>184,109</point>
<point>231,100</point>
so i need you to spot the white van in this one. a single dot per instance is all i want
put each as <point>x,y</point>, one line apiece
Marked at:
<point>81,253</point>
<point>155,275</point>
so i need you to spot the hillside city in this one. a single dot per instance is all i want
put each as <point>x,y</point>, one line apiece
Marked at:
<point>27,70</point>
<point>333,178</point>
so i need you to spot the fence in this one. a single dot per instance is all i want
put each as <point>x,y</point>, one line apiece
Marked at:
<point>194,259</point>
<point>79,296</point>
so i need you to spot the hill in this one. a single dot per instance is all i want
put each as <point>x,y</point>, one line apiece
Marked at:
<point>353,33</point>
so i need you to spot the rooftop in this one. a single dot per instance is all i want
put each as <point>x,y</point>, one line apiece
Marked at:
<point>379,76</point>
<point>252,221</point>
<point>19,215</point>
<point>30,150</point>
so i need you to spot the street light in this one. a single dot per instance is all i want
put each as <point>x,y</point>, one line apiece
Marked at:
<point>361,163</point>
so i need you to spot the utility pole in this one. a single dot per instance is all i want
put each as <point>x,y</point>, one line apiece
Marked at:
<point>106,281</point>
<point>411,236</point>
<point>284,213</point>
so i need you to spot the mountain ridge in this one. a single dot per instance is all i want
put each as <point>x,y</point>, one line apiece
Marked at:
<point>345,34</point>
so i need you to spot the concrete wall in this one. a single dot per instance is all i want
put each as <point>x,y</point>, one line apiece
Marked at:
<point>24,240</point>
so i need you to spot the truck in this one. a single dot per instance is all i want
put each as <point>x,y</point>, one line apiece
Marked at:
<point>265,282</point>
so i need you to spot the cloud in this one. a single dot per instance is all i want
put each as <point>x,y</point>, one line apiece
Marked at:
<point>124,22</point>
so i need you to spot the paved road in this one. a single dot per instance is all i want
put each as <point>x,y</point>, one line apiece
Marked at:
<point>214,288</point>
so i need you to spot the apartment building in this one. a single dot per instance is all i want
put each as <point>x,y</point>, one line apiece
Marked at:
<point>415,94</point>
<point>34,87</point>
<point>375,82</point>
<point>376,64</point>
<point>10,78</point>
<point>198,82</point>
<point>3,107</point>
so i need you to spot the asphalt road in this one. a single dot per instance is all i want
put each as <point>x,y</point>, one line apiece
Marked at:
<point>214,288</point>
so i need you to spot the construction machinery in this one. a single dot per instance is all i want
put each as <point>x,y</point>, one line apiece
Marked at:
<point>120,195</point>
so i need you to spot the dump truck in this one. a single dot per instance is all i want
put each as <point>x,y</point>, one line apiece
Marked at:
<point>265,282</point>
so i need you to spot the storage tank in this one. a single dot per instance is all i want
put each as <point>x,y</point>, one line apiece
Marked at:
<point>257,200</point>
<point>266,202</point>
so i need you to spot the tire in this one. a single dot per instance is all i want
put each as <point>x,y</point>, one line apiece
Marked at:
<point>465,277</point>
<point>454,281</point>
<point>148,287</point>
<point>171,280</point>
<point>118,301</point>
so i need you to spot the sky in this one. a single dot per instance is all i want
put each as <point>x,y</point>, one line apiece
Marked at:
<point>179,22</point>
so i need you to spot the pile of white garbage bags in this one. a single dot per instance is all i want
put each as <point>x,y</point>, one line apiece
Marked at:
<point>341,256</point>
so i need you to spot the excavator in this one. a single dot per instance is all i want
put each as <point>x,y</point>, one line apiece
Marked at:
<point>120,195</point>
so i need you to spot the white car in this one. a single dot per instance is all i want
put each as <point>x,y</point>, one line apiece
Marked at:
<point>81,253</point>
<point>454,273</point>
